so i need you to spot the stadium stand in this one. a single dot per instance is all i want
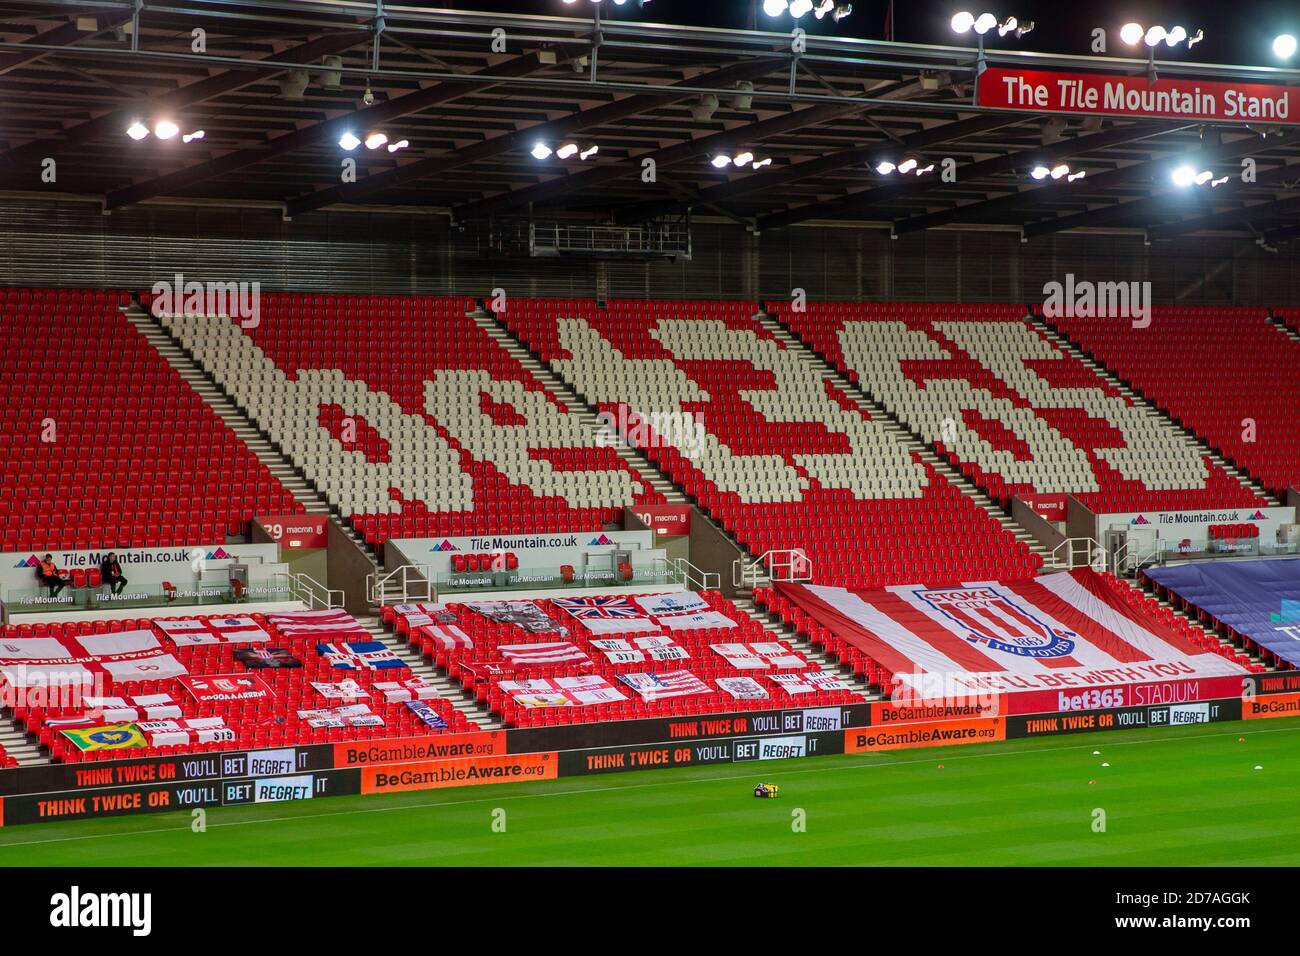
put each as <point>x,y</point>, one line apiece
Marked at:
<point>1216,370</point>
<point>410,419</point>
<point>93,421</point>
<point>269,717</point>
<point>547,643</point>
<point>782,458</point>
<point>1010,409</point>
<point>875,673</point>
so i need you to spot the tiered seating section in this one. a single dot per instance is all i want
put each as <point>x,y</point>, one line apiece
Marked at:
<point>6,761</point>
<point>103,438</point>
<point>267,722</point>
<point>1226,373</point>
<point>1268,659</point>
<point>1013,411</point>
<point>780,456</point>
<point>412,419</point>
<point>880,677</point>
<point>482,668</point>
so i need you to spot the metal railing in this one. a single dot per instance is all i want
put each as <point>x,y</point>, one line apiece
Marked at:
<point>1078,553</point>
<point>1132,555</point>
<point>787,565</point>
<point>305,588</point>
<point>410,583</point>
<point>694,577</point>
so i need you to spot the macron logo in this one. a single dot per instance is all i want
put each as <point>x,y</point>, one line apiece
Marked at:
<point>74,909</point>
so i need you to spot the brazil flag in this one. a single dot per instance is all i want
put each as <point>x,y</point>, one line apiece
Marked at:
<point>108,737</point>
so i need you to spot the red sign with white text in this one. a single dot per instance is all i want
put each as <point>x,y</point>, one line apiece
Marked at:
<point>1044,91</point>
<point>1051,507</point>
<point>297,531</point>
<point>666,521</point>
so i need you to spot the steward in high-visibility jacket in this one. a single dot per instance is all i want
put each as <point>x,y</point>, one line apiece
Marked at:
<point>48,575</point>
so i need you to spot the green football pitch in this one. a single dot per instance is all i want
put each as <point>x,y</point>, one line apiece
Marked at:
<point>1212,794</point>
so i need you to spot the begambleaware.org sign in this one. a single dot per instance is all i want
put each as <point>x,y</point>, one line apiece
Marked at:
<point>1103,94</point>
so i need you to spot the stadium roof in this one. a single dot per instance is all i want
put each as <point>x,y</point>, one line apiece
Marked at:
<point>74,76</point>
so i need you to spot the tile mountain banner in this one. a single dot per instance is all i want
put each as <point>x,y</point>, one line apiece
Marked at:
<point>1259,599</point>
<point>1053,633</point>
<point>61,661</point>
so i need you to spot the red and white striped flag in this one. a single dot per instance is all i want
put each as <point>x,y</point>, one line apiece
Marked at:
<point>119,710</point>
<point>330,625</point>
<point>536,655</point>
<point>449,637</point>
<point>1051,632</point>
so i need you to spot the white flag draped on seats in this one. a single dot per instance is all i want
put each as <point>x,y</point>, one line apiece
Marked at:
<point>761,656</point>
<point>694,622</point>
<point>194,730</point>
<point>414,688</point>
<point>676,602</point>
<point>225,630</point>
<point>62,661</point>
<point>808,682</point>
<point>621,651</point>
<point>562,691</point>
<point>743,688</point>
<point>349,715</point>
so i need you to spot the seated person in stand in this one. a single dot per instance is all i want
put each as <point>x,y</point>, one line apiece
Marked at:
<point>48,575</point>
<point>111,571</point>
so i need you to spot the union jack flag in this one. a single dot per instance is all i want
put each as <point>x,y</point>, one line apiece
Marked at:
<point>589,607</point>
<point>607,615</point>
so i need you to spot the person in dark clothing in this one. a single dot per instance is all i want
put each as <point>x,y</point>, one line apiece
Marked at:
<point>111,571</point>
<point>48,575</point>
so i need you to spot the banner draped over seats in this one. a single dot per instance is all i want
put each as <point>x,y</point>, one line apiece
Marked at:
<point>1258,599</point>
<point>1029,640</point>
